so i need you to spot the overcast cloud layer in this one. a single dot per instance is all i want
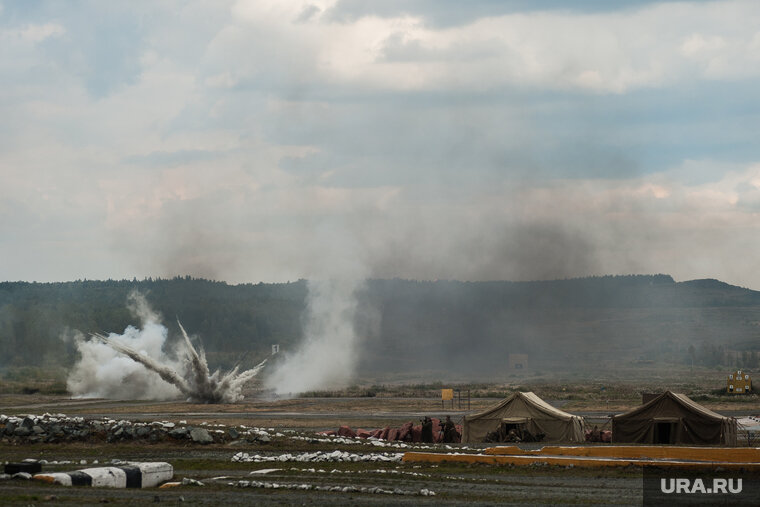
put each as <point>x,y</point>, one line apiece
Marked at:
<point>273,140</point>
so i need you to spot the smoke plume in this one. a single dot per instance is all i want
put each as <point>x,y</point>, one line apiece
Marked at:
<point>134,365</point>
<point>327,357</point>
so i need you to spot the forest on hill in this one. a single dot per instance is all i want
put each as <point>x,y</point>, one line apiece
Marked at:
<point>407,325</point>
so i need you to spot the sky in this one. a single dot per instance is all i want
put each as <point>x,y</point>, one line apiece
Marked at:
<point>271,140</point>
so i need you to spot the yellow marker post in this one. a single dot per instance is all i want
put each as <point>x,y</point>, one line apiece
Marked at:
<point>447,394</point>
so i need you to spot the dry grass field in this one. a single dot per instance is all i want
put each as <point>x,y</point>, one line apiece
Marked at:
<point>366,405</point>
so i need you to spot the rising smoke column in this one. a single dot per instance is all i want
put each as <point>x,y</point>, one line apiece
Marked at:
<point>189,376</point>
<point>102,372</point>
<point>327,357</point>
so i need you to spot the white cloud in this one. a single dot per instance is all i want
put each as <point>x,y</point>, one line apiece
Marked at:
<point>697,43</point>
<point>603,52</point>
<point>39,33</point>
<point>33,33</point>
<point>225,80</point>
<point>184,166</point>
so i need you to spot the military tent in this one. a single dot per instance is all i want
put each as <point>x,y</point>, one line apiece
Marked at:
<point>673,418</point>
<point>524,412</point>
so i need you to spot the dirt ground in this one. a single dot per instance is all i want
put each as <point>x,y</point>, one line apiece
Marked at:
<point>453,484</point>
<point>320,413</point>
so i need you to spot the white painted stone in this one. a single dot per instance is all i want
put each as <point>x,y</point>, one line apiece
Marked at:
<point>107,477</point>
<point>154,474</point>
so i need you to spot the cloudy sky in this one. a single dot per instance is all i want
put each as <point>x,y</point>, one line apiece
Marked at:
<point>268,140</point>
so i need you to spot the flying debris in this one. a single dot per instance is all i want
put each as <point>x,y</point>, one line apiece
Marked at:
<point>198,384</point>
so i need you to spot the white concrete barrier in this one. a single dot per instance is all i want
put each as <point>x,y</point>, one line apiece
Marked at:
<point>129,475</point>
<point>61,478</point>
<point>154,474</point>
<point>106,477</point>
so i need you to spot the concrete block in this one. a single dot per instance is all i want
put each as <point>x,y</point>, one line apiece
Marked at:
<point>131,475</point>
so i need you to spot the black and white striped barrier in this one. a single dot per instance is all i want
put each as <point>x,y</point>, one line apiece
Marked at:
<point>130,475</point>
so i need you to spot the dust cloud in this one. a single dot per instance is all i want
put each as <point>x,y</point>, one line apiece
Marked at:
<point>327,357</point>
<point>135,365</point>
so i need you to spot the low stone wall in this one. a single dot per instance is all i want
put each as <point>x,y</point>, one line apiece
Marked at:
<point>54,428</point>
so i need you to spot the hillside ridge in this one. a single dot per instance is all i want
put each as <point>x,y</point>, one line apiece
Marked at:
<point>405,324</point>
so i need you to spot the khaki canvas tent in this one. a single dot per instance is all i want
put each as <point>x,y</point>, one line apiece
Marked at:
<point>524,411</point>
<point>673,418</point>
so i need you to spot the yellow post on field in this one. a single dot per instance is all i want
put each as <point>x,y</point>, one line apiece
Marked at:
<point>447,394</point>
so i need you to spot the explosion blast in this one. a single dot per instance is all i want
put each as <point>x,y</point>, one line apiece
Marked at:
<point>199,385</point>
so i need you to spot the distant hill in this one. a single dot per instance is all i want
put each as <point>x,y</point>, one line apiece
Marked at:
<point>405,325</point>
<point>583,323</point>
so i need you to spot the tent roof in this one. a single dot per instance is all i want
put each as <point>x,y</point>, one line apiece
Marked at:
<point>681,399</point>
<point>530,399</point>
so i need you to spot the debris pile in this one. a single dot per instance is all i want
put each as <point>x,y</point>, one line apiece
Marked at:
<point>407,432</point>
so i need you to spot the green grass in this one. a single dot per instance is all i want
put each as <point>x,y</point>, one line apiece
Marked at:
<point>33,380</point>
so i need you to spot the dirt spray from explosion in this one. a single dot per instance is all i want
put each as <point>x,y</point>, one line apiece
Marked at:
<point>327,357</point>
<point>135,365</point>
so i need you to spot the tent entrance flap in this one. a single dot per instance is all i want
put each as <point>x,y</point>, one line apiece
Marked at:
<point>515,429</point>
<point>664,432</point>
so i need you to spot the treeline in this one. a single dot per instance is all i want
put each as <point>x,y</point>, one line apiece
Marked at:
<point>407,325</point>
<point>36,318</point>
<point>584,323</point>
<point>710,354</point>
